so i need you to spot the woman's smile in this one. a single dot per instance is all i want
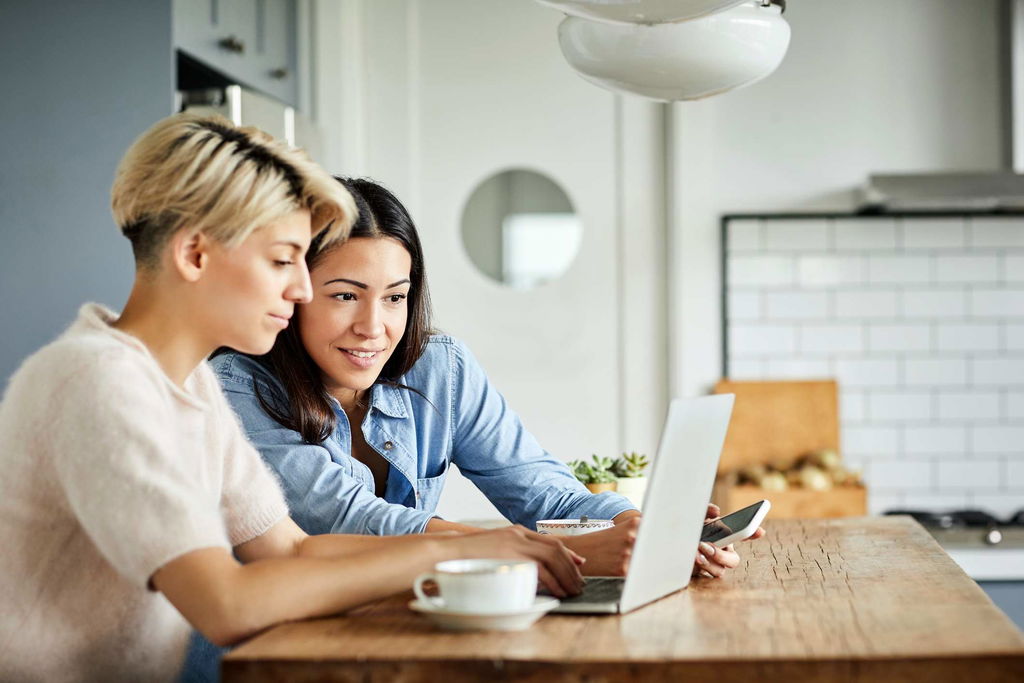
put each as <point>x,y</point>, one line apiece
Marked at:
<point>362,358</point>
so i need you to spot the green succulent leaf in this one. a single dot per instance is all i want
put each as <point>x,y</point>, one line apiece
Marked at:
<point>630,465</point>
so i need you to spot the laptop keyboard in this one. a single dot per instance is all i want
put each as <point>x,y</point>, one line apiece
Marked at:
<point>599,589</point>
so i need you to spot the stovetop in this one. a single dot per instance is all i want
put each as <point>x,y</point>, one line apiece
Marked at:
<point>971,528</point>
<point>961,518</point>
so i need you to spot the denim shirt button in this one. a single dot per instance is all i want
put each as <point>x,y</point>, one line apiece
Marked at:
<point>388,445</point>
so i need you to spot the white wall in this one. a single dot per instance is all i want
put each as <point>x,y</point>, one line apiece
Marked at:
<point>867,86</point>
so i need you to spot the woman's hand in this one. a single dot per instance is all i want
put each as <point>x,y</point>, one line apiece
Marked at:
<point>607,551</point>
<point>713,562</point>
<point>557,566</point>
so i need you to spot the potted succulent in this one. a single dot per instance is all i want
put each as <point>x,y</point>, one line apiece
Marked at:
<point>630,468</point>
<point>595,475</point>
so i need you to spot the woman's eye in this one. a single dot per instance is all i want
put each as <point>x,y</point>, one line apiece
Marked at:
<point>344,296</point>
<point>396,298</point>
<point>282,264</point>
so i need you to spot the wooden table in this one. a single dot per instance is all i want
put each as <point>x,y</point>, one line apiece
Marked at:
<point>857,599</point>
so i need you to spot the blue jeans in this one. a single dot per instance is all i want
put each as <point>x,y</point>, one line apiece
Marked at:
<point>202,663</point>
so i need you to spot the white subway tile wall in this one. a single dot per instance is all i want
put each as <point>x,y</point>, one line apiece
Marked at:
<point>1013,268</point>
<point>920,319</point>
<point>1014,337</point>
<point>1013,406</point>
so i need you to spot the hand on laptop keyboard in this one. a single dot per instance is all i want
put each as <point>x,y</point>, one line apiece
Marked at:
<point>607,551</point>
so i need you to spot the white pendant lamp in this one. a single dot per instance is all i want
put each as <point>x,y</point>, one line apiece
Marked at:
<point>641,11</point>
<point>685,60</point>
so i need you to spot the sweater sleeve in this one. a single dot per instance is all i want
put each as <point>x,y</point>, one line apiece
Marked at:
<point>125,472</point>
<point>251,499</point>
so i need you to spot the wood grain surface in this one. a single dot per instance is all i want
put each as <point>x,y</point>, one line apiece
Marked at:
<point>855,599</point>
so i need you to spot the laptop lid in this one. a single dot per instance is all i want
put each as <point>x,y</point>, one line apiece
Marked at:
<point>678,492</point>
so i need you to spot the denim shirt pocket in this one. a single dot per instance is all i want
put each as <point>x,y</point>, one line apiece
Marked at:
<point>351,466</point>
<point>428,489</point>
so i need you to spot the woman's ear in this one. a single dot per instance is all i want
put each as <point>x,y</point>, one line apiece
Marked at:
<point>190,254</point>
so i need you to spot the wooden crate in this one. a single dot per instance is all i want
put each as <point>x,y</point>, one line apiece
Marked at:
<point>776,423</point>
<point>844,501</point>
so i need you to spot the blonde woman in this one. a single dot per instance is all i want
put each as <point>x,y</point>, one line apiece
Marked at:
<point>131,504</point>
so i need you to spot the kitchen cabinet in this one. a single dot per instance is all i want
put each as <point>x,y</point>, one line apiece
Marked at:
<point>251,42</point>
<point>1008,596</point>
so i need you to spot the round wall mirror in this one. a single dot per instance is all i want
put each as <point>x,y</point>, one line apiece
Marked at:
<point>519,228</point>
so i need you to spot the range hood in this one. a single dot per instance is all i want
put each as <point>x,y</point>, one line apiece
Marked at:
<point>943,192</point>
<point>1001,190</point>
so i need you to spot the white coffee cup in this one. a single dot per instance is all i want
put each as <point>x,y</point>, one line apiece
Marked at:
<point>481,586</point>
<point>573,527</point>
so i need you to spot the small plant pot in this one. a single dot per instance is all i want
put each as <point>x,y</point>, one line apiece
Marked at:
<point>633,488</point>
<point>601,488</point>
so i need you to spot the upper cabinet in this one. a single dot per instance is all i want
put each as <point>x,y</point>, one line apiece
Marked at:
<point>252,42</point>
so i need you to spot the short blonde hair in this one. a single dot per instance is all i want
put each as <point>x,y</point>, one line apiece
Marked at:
<point>203,173</point>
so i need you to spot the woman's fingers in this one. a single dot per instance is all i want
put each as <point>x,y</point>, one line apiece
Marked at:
<point>726,557</point>
<point>577,559</point>
<point>701,567</point>
<point>556,565</point>
<point>556,568</point>
<point>626,541</point>
<point>607,551</point>
<point>564,570</point>
<point>715,561</point>
<point>548,580</point>
<point>559,560</point>
<point>705,565</point>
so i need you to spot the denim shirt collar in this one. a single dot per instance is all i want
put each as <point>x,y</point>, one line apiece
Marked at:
<point>388,400</point>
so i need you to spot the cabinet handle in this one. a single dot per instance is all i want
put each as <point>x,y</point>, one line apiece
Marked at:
<point>279,73</point>
<point>232,44</point>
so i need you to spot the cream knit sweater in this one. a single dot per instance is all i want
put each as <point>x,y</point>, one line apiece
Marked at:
<point>107,472</point>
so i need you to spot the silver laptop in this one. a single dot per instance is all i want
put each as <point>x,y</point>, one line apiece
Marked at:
<point>674,507</point>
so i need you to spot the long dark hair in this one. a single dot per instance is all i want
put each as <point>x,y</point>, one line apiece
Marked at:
<point>308,408</point>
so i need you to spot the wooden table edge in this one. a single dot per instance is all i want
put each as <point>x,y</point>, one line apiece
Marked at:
<point>978,669</point>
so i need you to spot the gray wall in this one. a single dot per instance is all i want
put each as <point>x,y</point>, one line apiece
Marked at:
<point>80,80</point>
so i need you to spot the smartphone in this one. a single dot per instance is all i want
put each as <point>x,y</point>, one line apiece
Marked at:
<point>735,526</point>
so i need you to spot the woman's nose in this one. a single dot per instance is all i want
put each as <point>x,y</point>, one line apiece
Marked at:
<point>300,290</point>
<point>369,323</point>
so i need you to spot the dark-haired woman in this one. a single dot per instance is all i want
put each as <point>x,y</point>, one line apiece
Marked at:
<point>361,410</point>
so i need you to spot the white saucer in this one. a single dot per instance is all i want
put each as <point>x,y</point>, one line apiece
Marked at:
<point>502,621</point>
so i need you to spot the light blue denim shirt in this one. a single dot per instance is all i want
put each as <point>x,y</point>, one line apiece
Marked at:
<point>460,419</point>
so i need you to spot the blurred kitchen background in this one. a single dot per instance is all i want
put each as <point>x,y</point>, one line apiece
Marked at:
<point>668,246</point>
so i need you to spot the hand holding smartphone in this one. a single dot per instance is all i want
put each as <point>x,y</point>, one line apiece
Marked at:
<point>735,526</point>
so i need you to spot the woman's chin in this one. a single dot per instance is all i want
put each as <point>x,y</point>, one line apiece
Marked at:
<point>353,381</point>
<point>255,346</point>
